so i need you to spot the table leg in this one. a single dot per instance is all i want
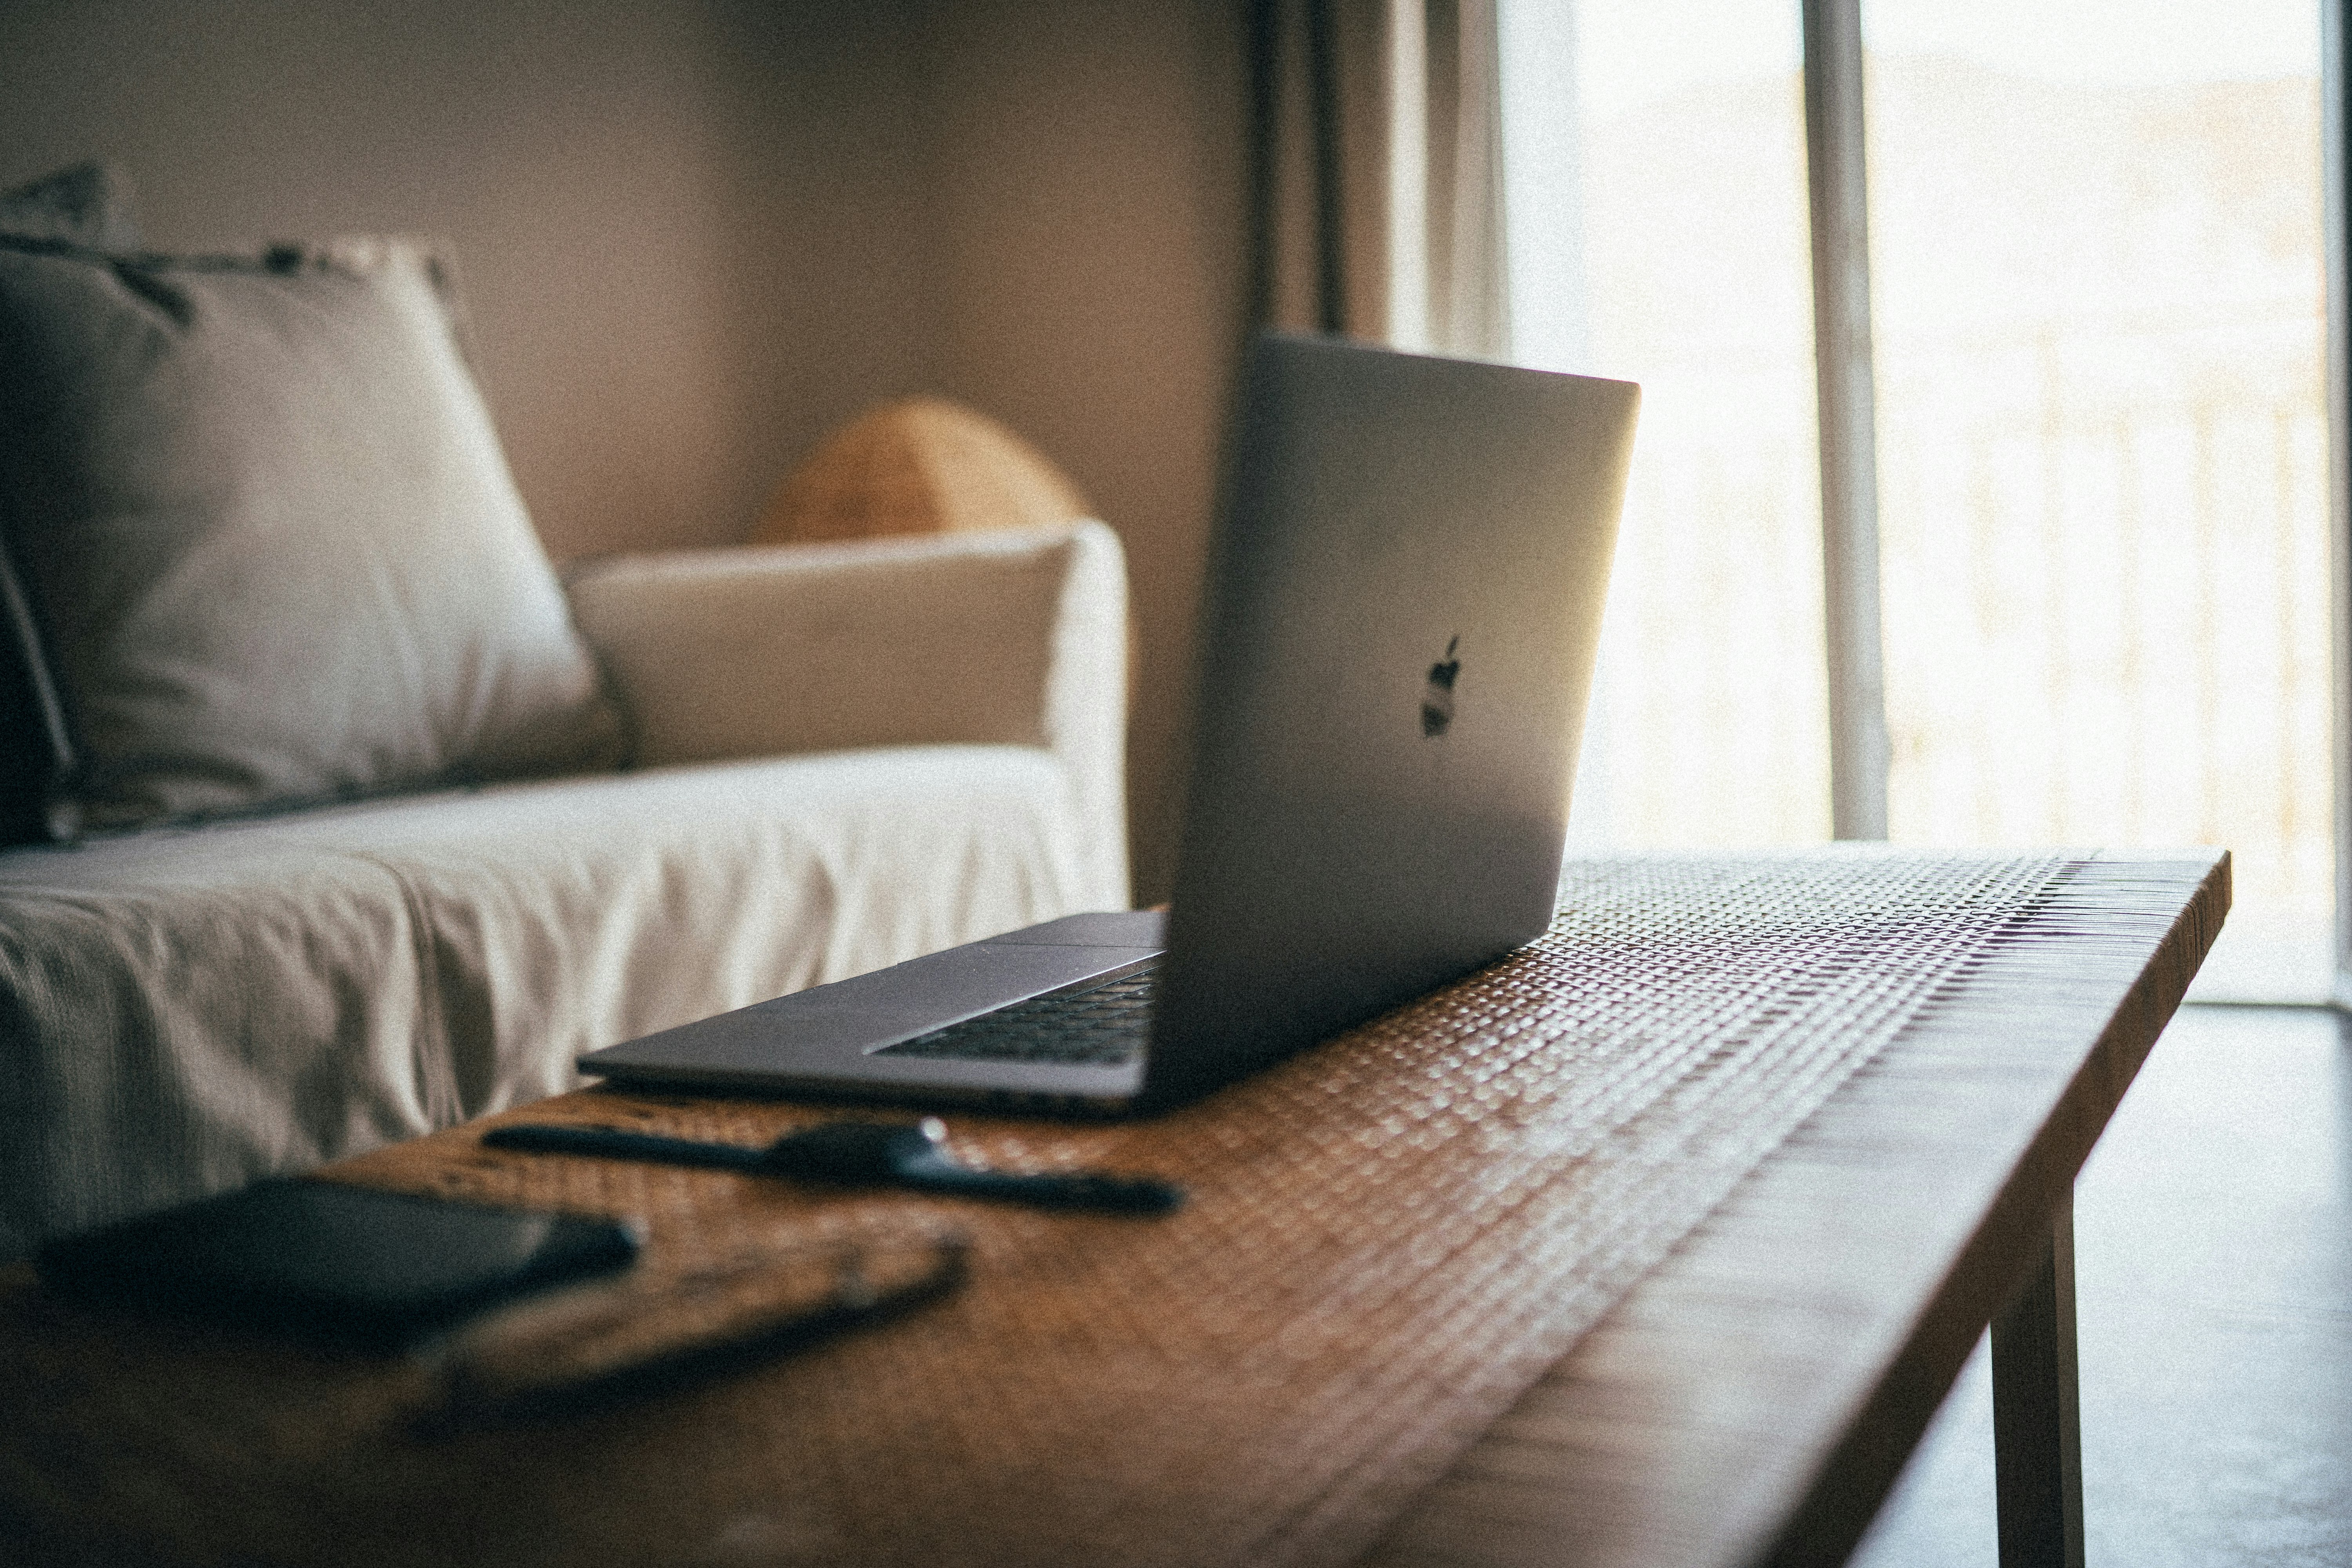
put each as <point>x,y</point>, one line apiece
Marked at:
<point>2037,1434</point>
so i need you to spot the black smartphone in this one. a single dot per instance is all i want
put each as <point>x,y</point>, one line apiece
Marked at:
<point>332,1263</point>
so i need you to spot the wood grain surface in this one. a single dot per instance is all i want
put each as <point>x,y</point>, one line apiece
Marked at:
<point>1753,1399</point>
<point>1787,1129</point>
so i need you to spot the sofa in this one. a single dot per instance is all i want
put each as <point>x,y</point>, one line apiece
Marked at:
<point>338,818</point>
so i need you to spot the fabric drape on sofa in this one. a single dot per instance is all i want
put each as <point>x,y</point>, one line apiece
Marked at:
<point>1376,172</point>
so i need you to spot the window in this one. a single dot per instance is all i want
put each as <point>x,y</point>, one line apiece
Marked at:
<point>2096,340</point>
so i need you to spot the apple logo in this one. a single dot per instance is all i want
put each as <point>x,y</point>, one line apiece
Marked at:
<point>1437,700</point>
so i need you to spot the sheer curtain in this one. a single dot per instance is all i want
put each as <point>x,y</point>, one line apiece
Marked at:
<point>1655,199</point>
<point>2094,268</point>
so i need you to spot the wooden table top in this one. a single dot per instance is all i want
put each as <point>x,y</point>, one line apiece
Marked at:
<point>1755,1397</point>
<point>1746,1153</point>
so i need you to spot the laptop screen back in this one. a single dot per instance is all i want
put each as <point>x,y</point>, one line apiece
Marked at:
<point>1403,605</point>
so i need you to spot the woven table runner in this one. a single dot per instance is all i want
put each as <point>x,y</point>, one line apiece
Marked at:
<point>1389,1238</point>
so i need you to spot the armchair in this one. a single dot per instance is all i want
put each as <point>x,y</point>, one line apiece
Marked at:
<point>846,755</point>
<point>327,818</point>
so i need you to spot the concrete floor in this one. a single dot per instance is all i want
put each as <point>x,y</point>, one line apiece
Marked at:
<point>2213,1274</point>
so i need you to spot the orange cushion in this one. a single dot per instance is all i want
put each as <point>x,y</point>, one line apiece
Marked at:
<point>921,464</point>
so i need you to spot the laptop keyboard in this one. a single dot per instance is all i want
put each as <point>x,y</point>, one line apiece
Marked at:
<point>1108,1026</point>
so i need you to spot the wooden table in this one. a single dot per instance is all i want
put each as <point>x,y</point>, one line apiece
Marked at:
<point>1748,1395</point>
<point>1754,1399</point>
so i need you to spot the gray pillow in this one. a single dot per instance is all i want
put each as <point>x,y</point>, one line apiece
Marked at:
<point>87,205</point>
<point>271,548</point>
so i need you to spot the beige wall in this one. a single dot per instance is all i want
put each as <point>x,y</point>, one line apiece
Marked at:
<point>696,232</point>
<point>655,205</point>
<point>1091,179</point>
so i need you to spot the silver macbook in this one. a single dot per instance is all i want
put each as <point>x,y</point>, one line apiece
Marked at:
<point>1396,646</point>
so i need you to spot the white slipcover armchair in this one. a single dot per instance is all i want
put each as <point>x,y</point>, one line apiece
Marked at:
<point>845,755</point>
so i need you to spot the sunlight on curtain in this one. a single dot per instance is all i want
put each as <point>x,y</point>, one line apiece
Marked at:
<point>2097,291</point>
<point>1654,201</point>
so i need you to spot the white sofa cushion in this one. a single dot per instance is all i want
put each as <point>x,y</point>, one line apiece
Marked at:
<point>190,1011</point>
<point>1012,637</point>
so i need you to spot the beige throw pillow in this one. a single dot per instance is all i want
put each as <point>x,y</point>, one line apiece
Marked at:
<point>271,547</point>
